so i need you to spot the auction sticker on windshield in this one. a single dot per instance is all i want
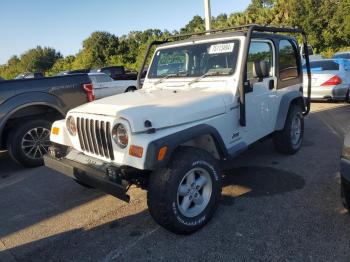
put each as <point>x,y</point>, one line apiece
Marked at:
<point>221,48</point>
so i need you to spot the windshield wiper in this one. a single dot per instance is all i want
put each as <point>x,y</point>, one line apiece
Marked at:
<point>209,73</point>
<point>170,75</point>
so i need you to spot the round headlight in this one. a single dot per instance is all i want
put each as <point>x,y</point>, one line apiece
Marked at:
<point>120,135</point>
<point>71,126</point>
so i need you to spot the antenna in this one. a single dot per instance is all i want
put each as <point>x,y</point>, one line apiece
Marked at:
<point>207,12</point>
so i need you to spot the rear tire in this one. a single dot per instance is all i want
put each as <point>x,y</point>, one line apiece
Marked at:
<point>290,138</point>
<point>184,196</point>
<point>29,141</point>
<point>345,193</point>
<point>130,89</point>
<point>347,98</point>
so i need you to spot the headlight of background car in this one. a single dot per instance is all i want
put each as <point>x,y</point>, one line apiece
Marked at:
<point>71,126</point>
<point>120,135</point>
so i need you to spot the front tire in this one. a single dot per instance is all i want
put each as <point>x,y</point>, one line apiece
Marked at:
<point>184,196</point>
<point>290,138</point>
<point>29,140</point>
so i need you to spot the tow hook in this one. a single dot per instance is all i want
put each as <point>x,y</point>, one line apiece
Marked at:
<point>114,175</point>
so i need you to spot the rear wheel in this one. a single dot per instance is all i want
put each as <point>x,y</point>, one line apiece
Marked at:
<point>184,196</point>
<point>347,98</point>
<point>290,138</point>
<point>29,141</point>
<point>345,194</point>
<point>130,89</point>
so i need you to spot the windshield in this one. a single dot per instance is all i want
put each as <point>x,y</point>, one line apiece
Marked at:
<point>323,65</point>
<point>329,65</point>
<point>220,58</point>
<point>342,55</point>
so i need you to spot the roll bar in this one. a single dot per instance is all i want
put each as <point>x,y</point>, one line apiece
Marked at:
<point>243,82</point>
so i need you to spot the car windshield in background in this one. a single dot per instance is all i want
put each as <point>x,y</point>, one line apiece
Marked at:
<point>326,65</point>
<point>217,58</point>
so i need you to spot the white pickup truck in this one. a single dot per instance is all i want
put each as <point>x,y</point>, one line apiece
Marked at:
<point>104,86</point>
<point>205,99</point>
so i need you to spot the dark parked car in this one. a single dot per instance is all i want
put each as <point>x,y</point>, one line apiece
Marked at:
<point>29,106</point>
<point>118,73</point>
<point>29,75</point>
<point>345,173</point>
<point>72,72</point>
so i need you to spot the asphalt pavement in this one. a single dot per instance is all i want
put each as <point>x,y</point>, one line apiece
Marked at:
<point>273,208</point>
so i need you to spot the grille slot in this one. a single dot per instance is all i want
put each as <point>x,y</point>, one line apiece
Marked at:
<point>95,137</point>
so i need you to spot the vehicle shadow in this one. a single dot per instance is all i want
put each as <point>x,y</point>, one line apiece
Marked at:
<point>255,181</point>
<point>7,165</point>
<point>114,235</point>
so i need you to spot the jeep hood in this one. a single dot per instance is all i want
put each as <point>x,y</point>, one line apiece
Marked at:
<point>163,107</point>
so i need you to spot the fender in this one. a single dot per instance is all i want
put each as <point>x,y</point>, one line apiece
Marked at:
<point>285,103</point>
<point>174,140</point>
<point>13,104</point>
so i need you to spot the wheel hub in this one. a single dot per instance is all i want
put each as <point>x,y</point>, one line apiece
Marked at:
<point>35,142</point>
<point>194,192</point>
<point>296,130</point>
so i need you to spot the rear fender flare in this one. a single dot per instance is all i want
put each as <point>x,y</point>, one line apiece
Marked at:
<point>283,109</point>
<point>14,104</point>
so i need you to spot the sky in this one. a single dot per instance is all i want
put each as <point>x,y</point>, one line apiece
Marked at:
<point>64,24</point>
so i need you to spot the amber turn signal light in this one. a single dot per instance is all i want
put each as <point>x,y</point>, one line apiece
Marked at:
<point>136,151</point>
<point>55,131</point>
<point>162,153</point>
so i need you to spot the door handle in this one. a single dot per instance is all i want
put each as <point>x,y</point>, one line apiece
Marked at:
<point>271,84</point>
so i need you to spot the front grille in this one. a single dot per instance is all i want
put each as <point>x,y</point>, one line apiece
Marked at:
<point>95,137</point>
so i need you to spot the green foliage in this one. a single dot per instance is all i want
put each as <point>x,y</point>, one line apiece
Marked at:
<point>62,64</point>
<point>96,50</point>
<point>327,23</point>
<point>39,59</point>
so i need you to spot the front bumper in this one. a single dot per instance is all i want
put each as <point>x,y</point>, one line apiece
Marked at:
<point>345,169</point>
<point>106,179</point>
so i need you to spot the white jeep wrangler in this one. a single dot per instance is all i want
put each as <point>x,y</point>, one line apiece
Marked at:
<point>206,98</point>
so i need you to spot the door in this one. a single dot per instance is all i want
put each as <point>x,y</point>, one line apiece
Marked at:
<point>261,100</point>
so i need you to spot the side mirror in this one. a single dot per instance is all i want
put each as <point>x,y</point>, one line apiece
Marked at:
<point>310,51</point>
<point>261,69</point>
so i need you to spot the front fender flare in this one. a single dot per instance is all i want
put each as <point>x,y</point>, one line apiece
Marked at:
<point>174,140</point>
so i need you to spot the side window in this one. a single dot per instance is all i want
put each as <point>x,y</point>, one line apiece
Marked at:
<point>259,52</point>
<point>107,72</point>
<point>93,79</point>
<point>103,78</point>
<point>288,66</point>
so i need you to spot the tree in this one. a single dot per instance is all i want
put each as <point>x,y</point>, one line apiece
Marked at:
<point>39,59</point>
<point>195,25</point>
<point>96,50</point>
<point>62,64</point>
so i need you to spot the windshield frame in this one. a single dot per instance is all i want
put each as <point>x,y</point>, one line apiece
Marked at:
<point>238,43</point>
